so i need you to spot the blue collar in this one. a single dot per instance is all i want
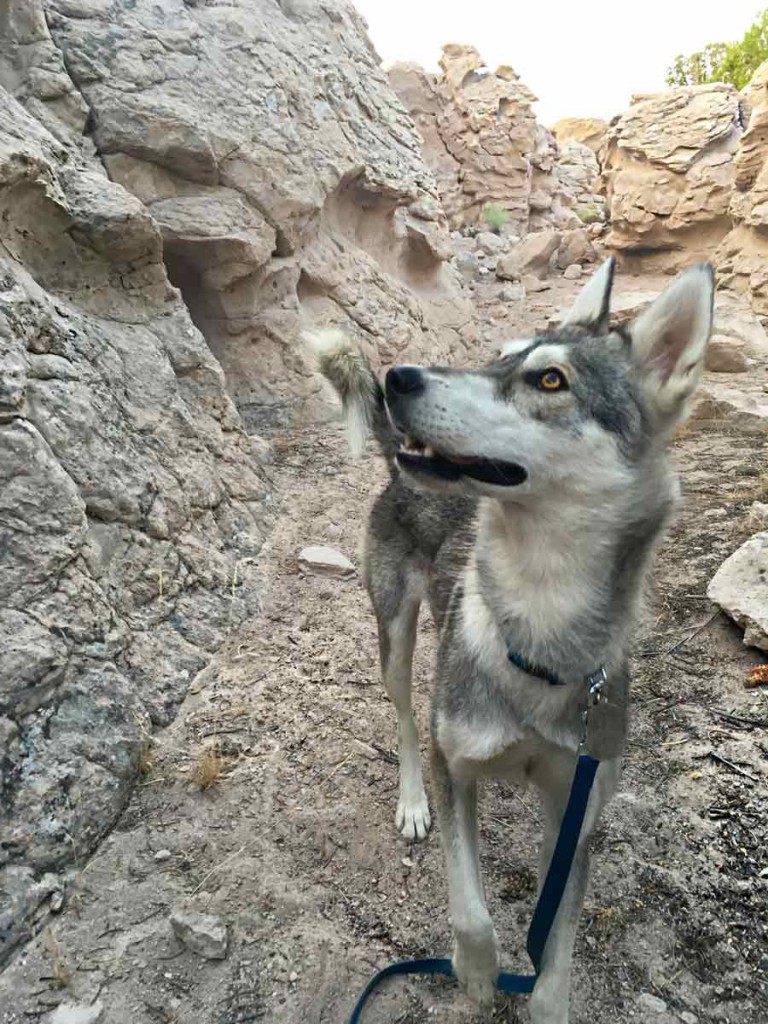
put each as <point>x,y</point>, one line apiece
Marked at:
<point>521,662</point>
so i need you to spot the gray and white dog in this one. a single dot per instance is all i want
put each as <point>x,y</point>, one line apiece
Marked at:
<point>525,503</point>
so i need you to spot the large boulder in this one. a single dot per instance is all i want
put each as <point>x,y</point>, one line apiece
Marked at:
<point>668,168</point>
<point>740,587</point>
<point>531,256</point>
<point>742,259</point>
<point>483,142</point>
<point>182,188</point>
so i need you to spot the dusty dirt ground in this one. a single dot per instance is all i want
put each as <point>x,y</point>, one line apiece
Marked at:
<point>294,844</point>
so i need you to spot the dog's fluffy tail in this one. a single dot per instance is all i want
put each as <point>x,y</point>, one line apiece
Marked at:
<point>341,362</point>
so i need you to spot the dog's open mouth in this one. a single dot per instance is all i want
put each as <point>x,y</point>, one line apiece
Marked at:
<point>423,458</point>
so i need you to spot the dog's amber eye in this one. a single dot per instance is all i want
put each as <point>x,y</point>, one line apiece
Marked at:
<point>551,379</point>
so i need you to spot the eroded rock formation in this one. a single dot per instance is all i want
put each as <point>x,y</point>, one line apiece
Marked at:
<point>742,259</point>
<point>578,173</point>
<point>668,167</point>
<point>483,142</point>
<point>589,131</point>
<point>253,156</point>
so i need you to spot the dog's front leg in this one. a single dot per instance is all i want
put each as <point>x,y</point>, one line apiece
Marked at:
<point>475,953</point>
<point>549,1002</point>
<point>550,999</point>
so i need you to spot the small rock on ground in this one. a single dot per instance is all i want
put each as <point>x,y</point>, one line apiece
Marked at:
<point>512,293</point>
<point>652,1003</point>
<point>77,1013</point>
<point>573,272</point>
<point>325,561</point>
<point>689,1018</point>
<point>204,934</point>
<point>533,284</point>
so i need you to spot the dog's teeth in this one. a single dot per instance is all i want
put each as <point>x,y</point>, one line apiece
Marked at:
<point>429,452</point>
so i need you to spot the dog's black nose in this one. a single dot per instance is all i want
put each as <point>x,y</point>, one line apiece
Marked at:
<point>405,380</point>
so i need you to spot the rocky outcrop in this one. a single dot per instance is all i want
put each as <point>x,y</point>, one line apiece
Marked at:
<point>740,587</point>
<point>668,170</point>
<point>483,142</point>
<point>578,172</point>
<point>182,188</point>
<point>285,177</point>
<point>588,131</point>
<point>742,260</point>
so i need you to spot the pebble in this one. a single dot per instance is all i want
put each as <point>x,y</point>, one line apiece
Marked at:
<point>325,561</point>
<point>573,272</point>
<point>293,976</point>
<point>651,1003</point>
<point>689,1018</point>
<point>57,902</point>
<point>162,855</point>
<point>204,934</point>
<point>533,284</point>
<point>77,1013</point>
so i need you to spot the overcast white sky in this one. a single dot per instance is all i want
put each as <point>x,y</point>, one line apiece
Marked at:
<point>581,57</point>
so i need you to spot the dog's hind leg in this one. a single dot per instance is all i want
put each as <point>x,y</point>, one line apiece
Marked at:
<point>396,603</point>
<point>549,1002</point>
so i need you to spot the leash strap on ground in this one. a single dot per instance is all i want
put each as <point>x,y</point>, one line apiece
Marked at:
<point>546,906</point>
<point>521,983</point>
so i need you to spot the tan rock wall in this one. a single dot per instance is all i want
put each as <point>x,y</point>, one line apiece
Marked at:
<point>742,259</point>
<point>668,170</point>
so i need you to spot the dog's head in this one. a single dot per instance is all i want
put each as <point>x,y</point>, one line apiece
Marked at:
<point>571,409</point>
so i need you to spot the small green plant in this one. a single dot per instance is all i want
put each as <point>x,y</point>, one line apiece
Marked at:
<point>495,216</point>
<point>588,214</point>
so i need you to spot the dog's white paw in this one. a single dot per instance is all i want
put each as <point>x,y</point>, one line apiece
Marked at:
<point>477,968</point>
<point>413,819</point>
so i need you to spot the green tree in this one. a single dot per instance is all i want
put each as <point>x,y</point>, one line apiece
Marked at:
<point>724,62</point>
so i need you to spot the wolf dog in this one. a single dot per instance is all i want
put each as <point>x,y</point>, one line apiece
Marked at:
<point>525,501</point>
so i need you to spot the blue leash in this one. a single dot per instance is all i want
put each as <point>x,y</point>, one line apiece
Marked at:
<point>546,907</point>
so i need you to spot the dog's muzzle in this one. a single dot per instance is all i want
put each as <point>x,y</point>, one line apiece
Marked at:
<point>404,385</point>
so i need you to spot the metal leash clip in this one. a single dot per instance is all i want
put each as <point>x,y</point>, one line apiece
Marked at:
<point>595,696</point>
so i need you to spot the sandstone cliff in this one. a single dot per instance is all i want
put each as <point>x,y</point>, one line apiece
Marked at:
<point>253,156</point>
<point>668,171</point>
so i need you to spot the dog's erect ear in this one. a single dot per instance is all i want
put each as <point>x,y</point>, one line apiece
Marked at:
<point>669,342</point>
<point>592,306</point>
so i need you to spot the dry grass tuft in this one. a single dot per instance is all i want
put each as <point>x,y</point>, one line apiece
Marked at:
<point>757,491</point>
<point>685,430</point>
<point>61,971</point>
<point>207,771</point>
<point>753,522</point>
<point>286,441</point>
<point>145,759</point>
